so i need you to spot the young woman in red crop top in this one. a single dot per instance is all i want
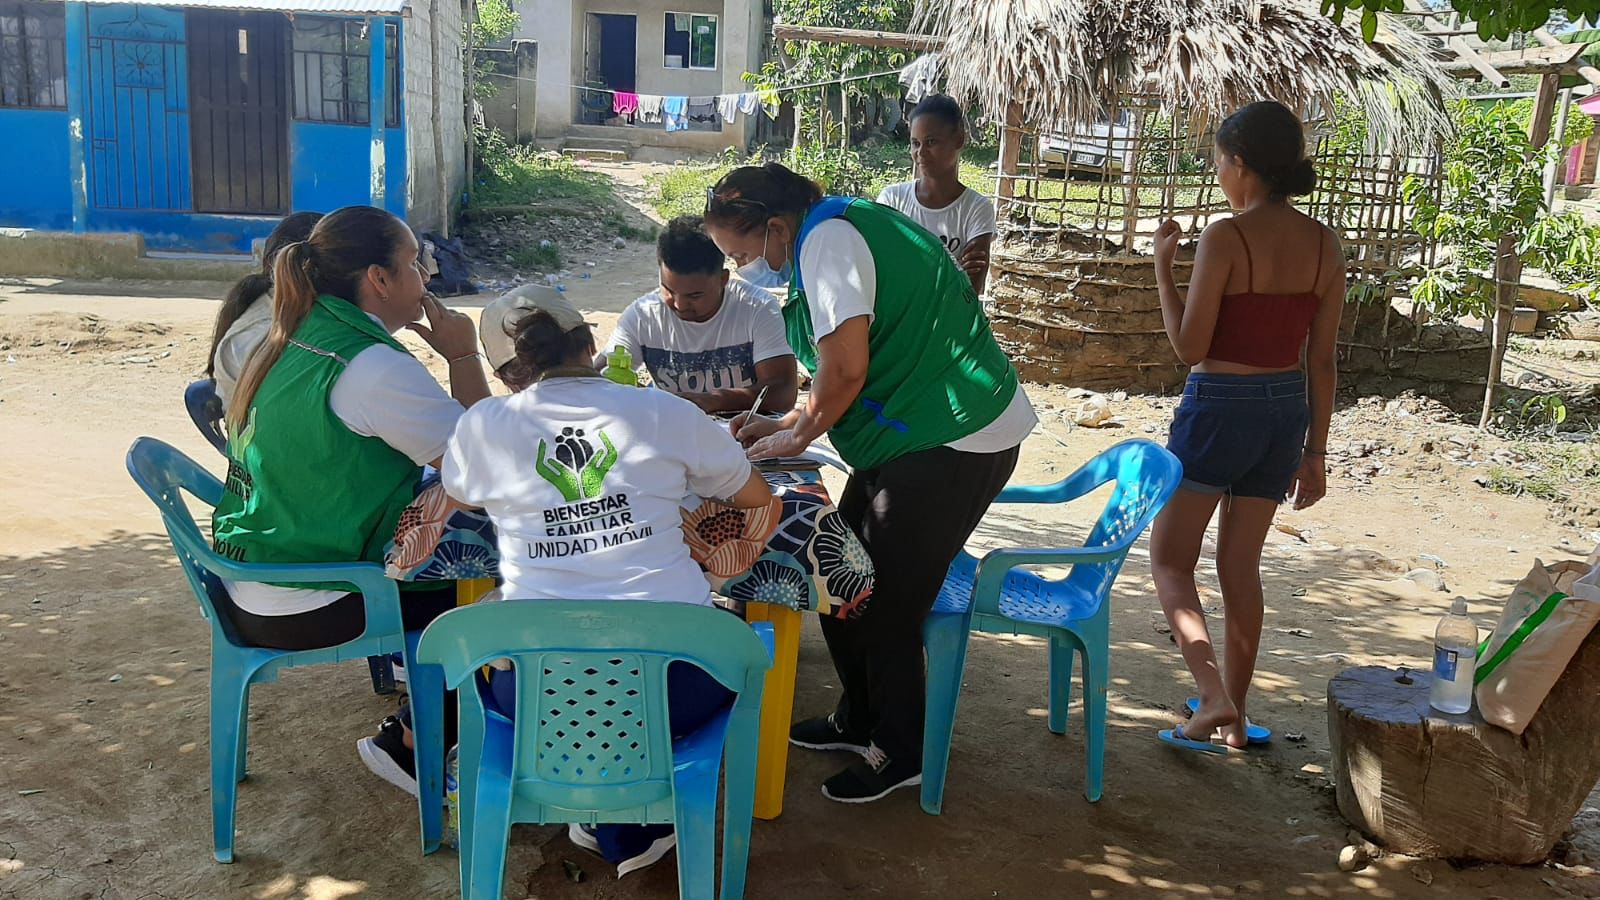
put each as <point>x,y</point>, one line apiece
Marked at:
<point>1258,324</point>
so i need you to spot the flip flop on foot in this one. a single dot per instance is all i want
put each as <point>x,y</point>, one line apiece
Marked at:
<point>1253,733</point>
<point>1175,737</point>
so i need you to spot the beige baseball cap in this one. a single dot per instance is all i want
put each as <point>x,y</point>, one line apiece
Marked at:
<point>499,319</point>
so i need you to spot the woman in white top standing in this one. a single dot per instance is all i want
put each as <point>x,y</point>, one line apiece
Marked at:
<point>960,217</point>
<point>583,479</point>
<point>246,313</point>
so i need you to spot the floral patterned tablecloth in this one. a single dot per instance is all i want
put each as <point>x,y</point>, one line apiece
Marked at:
<point>798,552</point>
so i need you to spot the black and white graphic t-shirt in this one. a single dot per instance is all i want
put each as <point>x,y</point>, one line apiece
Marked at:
<point>584,478</point>
<point>700,357</point>
<point>971,216</point>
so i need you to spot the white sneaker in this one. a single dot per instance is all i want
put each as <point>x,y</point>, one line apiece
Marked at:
<point>580,836</point>
<point>652,855</point>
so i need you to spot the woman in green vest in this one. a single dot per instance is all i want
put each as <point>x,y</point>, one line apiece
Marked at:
<point>328,431</point>
<point>914,393</point>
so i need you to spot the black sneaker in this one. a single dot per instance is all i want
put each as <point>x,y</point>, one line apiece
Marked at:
<point>823,733</point>
<point>387,755</point>
<point>871,779</point>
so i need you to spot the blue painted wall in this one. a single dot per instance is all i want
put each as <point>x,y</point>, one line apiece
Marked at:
<point>329,164</point>
<point>34,151</point>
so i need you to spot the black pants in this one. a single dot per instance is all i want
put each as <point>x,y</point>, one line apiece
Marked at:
<point>913,514</point>
<point>342,620</point>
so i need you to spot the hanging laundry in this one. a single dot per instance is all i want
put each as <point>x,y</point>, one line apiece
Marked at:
<point>673,112</point>
<point>921,78</point>
<point>728,106</point>
<point>626,103</point>
<point>702,109</point>
<point>769,102</point>
<point>749,102</point>
<point>650,107</point>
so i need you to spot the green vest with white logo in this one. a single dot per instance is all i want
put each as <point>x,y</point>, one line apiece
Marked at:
<point>302,487</point>
<point>935,373</point>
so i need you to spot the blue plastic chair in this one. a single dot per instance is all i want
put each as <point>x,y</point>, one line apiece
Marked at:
<point>590,742</point>
<point>163,473</point>
<point>1074,613</point>
<point>206,410</point>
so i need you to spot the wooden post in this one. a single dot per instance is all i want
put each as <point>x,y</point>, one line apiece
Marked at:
<point>1507,265</point>
<point>1010,152</point>
<point>1553,167</point>
<point>844,117</point>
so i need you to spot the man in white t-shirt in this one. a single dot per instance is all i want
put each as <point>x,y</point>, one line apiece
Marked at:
<point>960,217</point>
<point>712,340</point>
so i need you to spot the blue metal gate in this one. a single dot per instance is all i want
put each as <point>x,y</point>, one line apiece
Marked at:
<point>138,109</point>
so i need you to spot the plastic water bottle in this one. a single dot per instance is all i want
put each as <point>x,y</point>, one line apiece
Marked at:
<point>1455,659</point>
<point>452,800</point>
<point>619,367</point>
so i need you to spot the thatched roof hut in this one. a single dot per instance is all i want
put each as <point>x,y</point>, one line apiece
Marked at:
<point>1129,92</point>
<point>1066,61</point>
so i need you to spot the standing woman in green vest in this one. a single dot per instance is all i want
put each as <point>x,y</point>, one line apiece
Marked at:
<point>914,393</point>
<point>328,431</point>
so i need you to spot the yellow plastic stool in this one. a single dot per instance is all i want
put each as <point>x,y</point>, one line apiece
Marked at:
<point>777,705</point>
<point>471,590</point>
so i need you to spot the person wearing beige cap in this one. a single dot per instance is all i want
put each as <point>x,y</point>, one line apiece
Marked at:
<point>584,479</point>
<point>498,323</point>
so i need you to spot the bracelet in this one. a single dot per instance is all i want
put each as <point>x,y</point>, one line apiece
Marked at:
<point>1310,452</point>
<point>463,358</point>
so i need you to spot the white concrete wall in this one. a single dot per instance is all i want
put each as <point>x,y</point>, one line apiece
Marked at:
<point>436,134</point>
<point>560,25</point>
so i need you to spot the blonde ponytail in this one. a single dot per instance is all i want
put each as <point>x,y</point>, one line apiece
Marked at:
<point>293,294</point>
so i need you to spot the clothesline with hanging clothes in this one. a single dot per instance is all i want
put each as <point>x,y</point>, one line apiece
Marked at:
<point>654,107</point>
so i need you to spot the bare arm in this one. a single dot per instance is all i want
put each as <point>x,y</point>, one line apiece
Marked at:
<point>841,372</point>
<point>468,384</point>
<point>1190,318</point>
<point>778,375</point>
<point>974,260</point>
<point>1322,347</point>
<point>755,493</point>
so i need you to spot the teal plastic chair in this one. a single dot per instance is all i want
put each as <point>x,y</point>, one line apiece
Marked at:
<point>164,474</point>
<point>590,742</point>
<point>1074,613</point>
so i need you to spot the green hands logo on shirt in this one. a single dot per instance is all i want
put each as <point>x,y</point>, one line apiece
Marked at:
<point>577,469</point>
<point>238,440</point>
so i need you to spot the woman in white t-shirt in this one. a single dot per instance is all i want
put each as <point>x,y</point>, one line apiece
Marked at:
<point>584,480</point>
<point>959,216</point>
<point>246,313</point>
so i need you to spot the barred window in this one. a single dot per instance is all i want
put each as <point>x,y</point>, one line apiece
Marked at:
<point>331,64</point>
<point>33,69</point>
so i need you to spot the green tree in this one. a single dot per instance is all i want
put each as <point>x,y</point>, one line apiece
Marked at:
<point>1497,19</point>
<point>1489,216</point>
<point>806,62</point>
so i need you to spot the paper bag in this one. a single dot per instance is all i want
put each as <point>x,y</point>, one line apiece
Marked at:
<point>1545,620</point>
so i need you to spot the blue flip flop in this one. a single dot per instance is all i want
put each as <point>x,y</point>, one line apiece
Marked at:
<point>1253,733</point>
<point>1176,738</point>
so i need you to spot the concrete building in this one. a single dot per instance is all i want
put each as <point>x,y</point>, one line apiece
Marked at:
<point>196,124</point>
<point>687,48</point>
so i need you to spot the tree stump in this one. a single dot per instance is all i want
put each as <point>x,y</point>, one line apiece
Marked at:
<point>1423,783</point>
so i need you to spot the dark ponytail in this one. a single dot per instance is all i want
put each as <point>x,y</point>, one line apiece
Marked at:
<point>243,295</point>
<point>1268,138</point>
<point>750,195</point>
<point>333,260</point>
<point>541,345</point>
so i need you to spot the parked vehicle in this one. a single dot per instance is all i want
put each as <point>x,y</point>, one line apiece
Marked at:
<point>1104,148</point>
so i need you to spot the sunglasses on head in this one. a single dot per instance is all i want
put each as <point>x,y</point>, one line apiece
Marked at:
<point>713,198</point>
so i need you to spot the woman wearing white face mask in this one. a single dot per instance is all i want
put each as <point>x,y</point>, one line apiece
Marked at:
<point>915,394</point>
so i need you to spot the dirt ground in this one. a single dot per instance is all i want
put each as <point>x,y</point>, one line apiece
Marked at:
<point>103,663</point>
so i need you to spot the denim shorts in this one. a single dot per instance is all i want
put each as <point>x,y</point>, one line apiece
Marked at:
<point>1241,434</point>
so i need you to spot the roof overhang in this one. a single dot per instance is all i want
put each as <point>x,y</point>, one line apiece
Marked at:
<point>312,7</point>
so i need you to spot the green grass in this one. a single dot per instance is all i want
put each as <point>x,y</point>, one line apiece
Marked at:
<point>1561,473</point>
<point>522,176</point>
<point>537,257</point>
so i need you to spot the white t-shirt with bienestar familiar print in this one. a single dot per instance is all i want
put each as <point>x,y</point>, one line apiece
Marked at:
<point>969,217</point>
<point>584,479</point>
<point>700,357</point>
